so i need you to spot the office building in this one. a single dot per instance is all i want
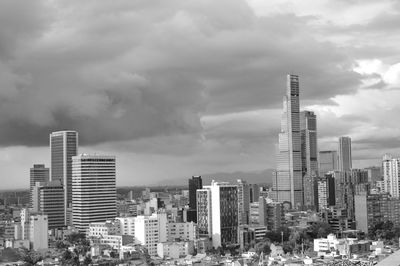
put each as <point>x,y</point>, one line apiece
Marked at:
<point>93,190</point>
<point>359,176</point>
<point>194,183</point>
<point>309,158</point>
<point>344,154</point>
<point>254,192</point>
<point>244,201</point>
<point>328,161</point>
<point>63,146</point>
<point>38,173</point>
<point>374,174</point>
<point>204,217</point>
<point>225,213</point>
<point>218,213</point>
<point>48,198</point>
<point>391,175</point>
<point>288,180</point>
<point>326,191</point>
<point>344,192</point>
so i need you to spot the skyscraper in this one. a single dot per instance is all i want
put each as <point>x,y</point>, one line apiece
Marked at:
<point>344,159</point>
<point>63,146</point>
<point>243,201</point>
<point>93,190</point>
<point>288,184</point>
<point>328,161</point>
<point>38,173</point>
<point>194,183</point>
<point>391,175</point>
<point>309,157</point>
<point>218,213</point>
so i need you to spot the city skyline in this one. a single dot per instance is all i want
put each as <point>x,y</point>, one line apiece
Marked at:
<point>189,88</point>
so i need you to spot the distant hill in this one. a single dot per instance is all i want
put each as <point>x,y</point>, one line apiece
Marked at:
<point>261,177</point>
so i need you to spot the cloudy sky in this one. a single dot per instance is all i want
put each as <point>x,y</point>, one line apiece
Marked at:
<point>178,88</point>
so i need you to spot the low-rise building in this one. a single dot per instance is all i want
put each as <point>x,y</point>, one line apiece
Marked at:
<point>175,250</point>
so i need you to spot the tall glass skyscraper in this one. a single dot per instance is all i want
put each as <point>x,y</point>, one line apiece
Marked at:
<point>63,146</point>
<point>309,158</point>
<point>344,153</point>
<point>288,184</point>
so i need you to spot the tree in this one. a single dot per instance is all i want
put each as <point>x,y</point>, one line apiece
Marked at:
<point>30,257</point>
<point>88,260</point>
<point>69,258</point>
<point>319,230</point>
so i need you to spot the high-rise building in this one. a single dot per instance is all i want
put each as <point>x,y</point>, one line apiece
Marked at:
<point>218,213</point>
<point>194,183</point>
<point>93,190</point>
<point>309,158</point>
<point>204,217</point>
<point>391,175</point>
<point>225,213</point>
<point>63,146</point>
<point>328,161</point>
<point>38,173</point>
<point>48,198</point>
<point>254,192</point>
<point>326,191</point>
<point>288,181</point>
<point>244,201</point>
<point>374,174</point>
<point>344,154</point>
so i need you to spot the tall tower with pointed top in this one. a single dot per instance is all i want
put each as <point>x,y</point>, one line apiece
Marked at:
<point>288,184</point>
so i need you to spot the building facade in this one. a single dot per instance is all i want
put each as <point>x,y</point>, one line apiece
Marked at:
<point>243,201</point>
<point>38,173</point>
<point>94,190</point>
<point>288,181</point>
<point>391,175</point>
<point>328,161</point>
<point>344,154</point>
<point>194,183</point>
<point>63,146</point>
<point>309,158</point>
<point>48,198</point>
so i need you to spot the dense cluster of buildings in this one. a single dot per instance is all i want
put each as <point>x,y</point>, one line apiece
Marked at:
<point>78,192</point>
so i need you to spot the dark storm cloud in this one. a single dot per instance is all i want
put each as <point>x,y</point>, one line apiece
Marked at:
<point>133,69</point>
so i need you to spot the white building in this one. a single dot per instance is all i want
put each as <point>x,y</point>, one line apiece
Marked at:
<point>391,174</point>
<point>38,231</point>
<point>150,230</point>
<point>93,190</point>
<point>175,250</point>
<point>100,229</point>
<point>117,241</point>
<point>127,225</point>
<point>183,231</point>
<point>218,213</point>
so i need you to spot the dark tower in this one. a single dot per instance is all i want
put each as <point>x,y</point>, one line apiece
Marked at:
<point>194,184</point>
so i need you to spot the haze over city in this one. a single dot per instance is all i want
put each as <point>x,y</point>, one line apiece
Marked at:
<point>180,88</point>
